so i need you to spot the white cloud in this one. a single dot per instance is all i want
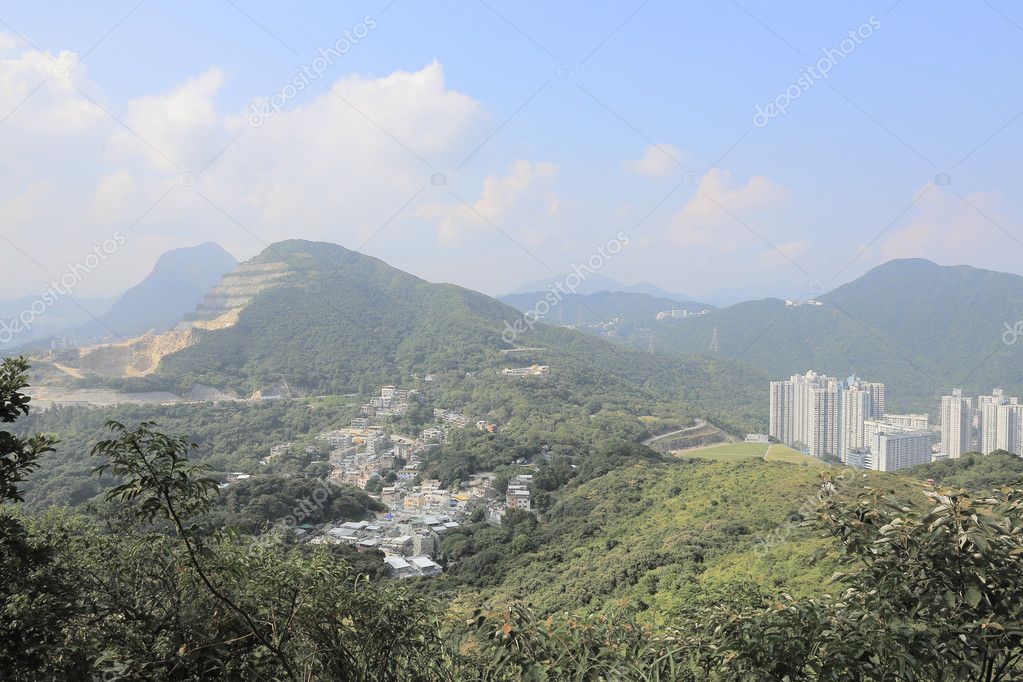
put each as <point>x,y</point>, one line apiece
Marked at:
<point>335,167</point>
<point>520,201</point>
<point>784,254</point>
<point>47,93</point>
<point>329,169</point>
<point>950,229</point>
<point>177,129</point>
<point>658,161</point>
<point>7,42</point>
<point>710,218</point>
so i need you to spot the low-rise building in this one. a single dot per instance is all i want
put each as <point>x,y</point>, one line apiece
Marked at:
<point>397,567</point>
<point>425,565</point>
<point>518,495</point>
<point>531,371</point>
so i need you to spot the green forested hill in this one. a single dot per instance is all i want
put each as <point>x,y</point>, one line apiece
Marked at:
<point>975,471</point>
<point>350,323</point>
<point>645,571</point>
<point>229,436</point>
<point>891,324</point>
<point>652,537</point>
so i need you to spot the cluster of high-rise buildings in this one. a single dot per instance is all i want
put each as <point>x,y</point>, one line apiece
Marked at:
<point>982,424</point>
<point>845,419</point>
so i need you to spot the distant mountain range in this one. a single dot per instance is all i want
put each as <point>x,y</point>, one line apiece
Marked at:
<point>594,284</point>
<point>66,312</point>
<point>319,318</point>
<point>177,283</point>
<point>921,328</point>
<point>629,311</point>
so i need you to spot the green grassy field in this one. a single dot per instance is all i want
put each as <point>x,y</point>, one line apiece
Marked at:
<point>731,452</point>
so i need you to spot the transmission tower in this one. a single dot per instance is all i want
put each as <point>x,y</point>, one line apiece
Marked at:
<point>715,342</point>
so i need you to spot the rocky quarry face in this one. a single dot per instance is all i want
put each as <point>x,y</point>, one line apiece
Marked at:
<point>219,309</point>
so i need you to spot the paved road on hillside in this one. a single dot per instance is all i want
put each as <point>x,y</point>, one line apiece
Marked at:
<point>700,423</point>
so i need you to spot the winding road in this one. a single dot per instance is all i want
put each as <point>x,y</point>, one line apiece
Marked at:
<point>699,424</point>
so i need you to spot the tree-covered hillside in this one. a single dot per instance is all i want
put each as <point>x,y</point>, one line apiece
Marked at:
<point>648,538</point>
<point>229,437</point>
<point>891,324</point>
<point>682,570</point>
<point>975,471</point>
<point>344,322</point>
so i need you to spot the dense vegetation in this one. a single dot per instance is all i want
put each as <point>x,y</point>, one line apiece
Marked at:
<point>229,436</point>
<point>345,324</point>
<point>254,503</point>
<point>647,538</point>
<point>636,565</point>
<point>890,325</point>
<point>552,415</point>
<point>927,592</point>
<point>974,471</point>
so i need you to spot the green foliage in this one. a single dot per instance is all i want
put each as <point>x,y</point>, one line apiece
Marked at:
<point>229,437</point>
<point>189,606</point>
<point>342,322</point>
<point>18,455</point>
<point>251,504</point>
<point>517,644</point>
<point>40,593</point>
<point>34,590</point>
<point>974,471</point>
<point>927,593</point>
<point>640,534</point>
<point>159,477</point>
<point>674,563</point>
<point>468,451</point>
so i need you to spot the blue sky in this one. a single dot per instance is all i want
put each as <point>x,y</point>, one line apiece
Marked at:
<point>649,131</point>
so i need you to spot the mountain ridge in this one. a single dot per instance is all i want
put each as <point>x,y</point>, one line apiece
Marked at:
<point>890,324</point>
<point>332,321</point>
<point>179,279</point>
<point>596,283</point>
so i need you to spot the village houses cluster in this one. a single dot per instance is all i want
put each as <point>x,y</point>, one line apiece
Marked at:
<point>419,512</point>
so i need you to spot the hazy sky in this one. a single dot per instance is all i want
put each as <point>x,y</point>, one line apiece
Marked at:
<point>491,143</point>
